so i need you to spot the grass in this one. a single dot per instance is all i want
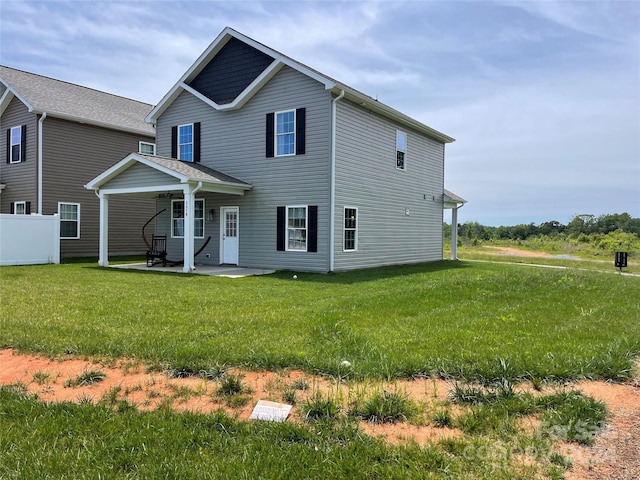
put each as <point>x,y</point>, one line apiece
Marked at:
<point>461,319</point>
<point>88,377</point>
<point>488,325</point>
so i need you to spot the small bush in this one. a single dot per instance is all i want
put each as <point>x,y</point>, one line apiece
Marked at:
<point>88,377</point>
<point>442,419</point>
<point>319,408</point>
<point>386,407</point>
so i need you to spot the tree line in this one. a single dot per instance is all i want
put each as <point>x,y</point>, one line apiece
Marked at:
<point>580,227</point>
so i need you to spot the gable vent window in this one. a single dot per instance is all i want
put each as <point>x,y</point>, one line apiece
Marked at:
<point>185,142</point>
<point>147,148</point>
<point>286,133</point>
<point>16,144</point>
<point>401,150</point>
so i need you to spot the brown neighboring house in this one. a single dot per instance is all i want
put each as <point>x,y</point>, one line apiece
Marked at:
<point>56,136</point>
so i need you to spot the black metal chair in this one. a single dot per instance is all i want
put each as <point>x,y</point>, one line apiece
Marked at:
<point>158,250</point>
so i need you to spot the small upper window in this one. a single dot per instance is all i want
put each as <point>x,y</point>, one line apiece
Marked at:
<point>147,148</point>
<point>185,142</point>
<point>286,133</point>
<point>15,149</point>
<point>401,150</point>
<point>69,220</point>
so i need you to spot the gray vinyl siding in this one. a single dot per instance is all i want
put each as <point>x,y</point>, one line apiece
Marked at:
<point>73,155</point>
<point>140,175</point>
<point>367,178</point>
<point>233,142</point>
<point>20,178</point>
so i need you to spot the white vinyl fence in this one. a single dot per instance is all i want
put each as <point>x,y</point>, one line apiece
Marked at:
<point>29,239</point>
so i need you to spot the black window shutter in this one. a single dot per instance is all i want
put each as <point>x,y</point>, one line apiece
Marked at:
<point>196,142</point>
<point>27,208</point>
<point>300,130</point>
<point>9,146</point>
<point>270,131</point>
<point>23,144</point>
<point>13,208</point>
<point>313,228</point>
<point>174,142</point>
<point>281,230</point>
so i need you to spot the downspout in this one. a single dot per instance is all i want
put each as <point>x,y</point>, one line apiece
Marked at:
<point>40,156</point>
<point>332,200</point>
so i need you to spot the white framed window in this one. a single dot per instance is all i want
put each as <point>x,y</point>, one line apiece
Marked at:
<point>401,149</point>
<point>19,208</point>
<point>285,132</point>
<point>350,229</point>
<point>177,219</point>
<point>69,220</point>
<point>15,147</point>
<point>147,148</point>
<point>185,142</point>
<point>296,222</point>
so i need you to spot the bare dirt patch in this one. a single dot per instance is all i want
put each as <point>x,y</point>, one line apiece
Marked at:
<point>615,454</point>
<point>517,252</point>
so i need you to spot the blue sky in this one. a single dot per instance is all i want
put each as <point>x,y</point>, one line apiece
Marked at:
<point>543,97</point>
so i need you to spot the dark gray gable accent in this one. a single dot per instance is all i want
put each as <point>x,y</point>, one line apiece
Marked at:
<point>231,71</point>
<point>282,234</point>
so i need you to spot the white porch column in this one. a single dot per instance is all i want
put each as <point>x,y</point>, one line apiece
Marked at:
<point>103,255</point>
<point>454,233</point>
<point>189,211</point>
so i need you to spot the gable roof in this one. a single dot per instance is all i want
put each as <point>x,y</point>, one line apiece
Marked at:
<point>182,171</point>
<point>74,102</point>
<point>261,77</point>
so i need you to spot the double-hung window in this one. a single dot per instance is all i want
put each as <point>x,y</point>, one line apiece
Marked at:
<point>69,220</point>
<point>401,149</point>
<point>350,229</point>
<point>177,219</point>
<point>147,148</point>
<point>15,145</point>
<point>286,133</point>
<point>297,228</point>
<point>185,142</point>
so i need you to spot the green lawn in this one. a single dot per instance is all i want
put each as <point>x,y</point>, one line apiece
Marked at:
<point>484,322</point>
<point>462,319</point>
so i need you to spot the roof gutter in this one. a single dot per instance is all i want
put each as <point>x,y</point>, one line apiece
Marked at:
<point>40,157</point>
<point>332,200</point>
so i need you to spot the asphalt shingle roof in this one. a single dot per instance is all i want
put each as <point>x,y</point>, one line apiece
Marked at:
<point>194,171</point>
<point>68,100</point>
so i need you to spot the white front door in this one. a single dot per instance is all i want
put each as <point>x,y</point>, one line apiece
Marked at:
<point>229,233</point>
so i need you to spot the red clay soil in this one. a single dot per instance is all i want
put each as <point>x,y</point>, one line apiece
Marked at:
<point>615,455</point>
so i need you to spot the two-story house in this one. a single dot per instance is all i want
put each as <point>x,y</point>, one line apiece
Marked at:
<point>265,162</point>
<point>56,136</point>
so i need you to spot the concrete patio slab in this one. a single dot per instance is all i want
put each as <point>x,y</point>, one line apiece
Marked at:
<point>211,270</point>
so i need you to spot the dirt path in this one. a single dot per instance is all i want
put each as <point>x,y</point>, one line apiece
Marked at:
<point>615,455</point>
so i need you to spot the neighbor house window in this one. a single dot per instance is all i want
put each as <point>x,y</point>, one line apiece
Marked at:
<point>185,142</point>
<point>19,208</point>
<point>16,149</point>
<point>286,133</point>
<point>69,220</point>
<point>401,150</point>
<point>177,219</point>
<point>350,229</point>
<point>147,148</point>
<point>297,228</point>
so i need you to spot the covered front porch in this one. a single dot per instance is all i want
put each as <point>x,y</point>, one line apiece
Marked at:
<point>166,178</point>
<point>454,202</point>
